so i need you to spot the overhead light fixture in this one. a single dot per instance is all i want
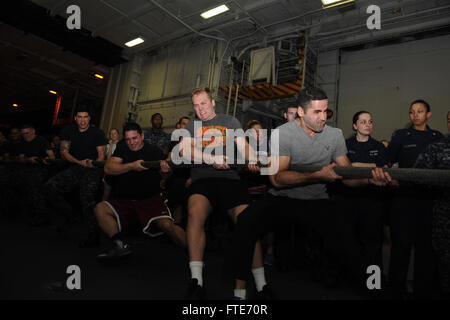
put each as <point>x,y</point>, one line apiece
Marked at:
<point>332,3</point>
<point>52,92</point>
<point>214,12</point>
<point>98,76</point>
<point>15,105</point>
<point>134,42</point>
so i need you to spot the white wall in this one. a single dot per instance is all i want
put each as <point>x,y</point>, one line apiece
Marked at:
<point>385,80</point>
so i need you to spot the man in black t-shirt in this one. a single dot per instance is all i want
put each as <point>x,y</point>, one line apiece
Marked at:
<point>81,144</point>
<point>33,147</point>
<point>136,194</point>
<point>13,145</point>
<point>33,175</point>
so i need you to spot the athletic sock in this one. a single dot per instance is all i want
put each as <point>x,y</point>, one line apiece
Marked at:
<point>197,271</point>
<point>260,279</point>
<point>240,293</point>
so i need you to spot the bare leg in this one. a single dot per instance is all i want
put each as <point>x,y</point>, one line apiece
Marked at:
<point>106,219</point>
<point>199,208</point>
<point>176,233</point>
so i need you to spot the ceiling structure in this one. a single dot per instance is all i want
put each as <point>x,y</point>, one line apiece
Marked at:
<point>37,51</point>
<point>248,21</point>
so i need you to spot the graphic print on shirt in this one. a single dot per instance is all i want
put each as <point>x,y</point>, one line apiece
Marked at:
<point>211,137</point>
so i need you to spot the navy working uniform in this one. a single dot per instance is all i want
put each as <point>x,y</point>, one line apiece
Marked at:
<point>371,151</point>
<point>87,180</point>
<point>437,156</point>
<point>10,195</point>
<point>361,211</point>
<point>32,176</point>
<point>411,217</point>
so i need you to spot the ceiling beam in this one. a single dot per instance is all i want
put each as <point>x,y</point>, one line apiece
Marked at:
<point>130,17</point>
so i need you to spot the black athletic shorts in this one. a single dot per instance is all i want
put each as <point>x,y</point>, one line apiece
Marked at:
<point>222,193</point>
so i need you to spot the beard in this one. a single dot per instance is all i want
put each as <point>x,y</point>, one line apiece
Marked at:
<point>314,125</point>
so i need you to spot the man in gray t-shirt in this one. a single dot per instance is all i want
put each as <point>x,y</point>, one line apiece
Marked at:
<point>303,149</point>
<point>298,197</point>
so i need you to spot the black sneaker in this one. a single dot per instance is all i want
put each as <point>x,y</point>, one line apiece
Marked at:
<point>116,253</point>
<point>266,293</point>
<point>195,291</point>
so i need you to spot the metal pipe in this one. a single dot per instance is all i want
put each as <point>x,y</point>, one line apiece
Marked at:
<point>235,100</point>
<point>116,93</point>
<point>242,73</point>
<point>179,96</point>
<point>383,21</point>
<point>237,88</point>
<point>106,100</point>
<point>230,87</point>
<point>382,34</point>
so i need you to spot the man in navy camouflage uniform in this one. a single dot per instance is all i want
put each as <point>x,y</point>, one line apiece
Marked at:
<point>156,136</point>
<point>437,156</point>
<point>81,144</point>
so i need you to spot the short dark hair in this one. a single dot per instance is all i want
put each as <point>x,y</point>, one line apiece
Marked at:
<point>252,123</point>
<point>286,109</point>
<point>26,126</point>
<point>132,126</point>
<point>156,114</point>
<point>184,117</point>
<point>307,95</point>
<point>356,115</point>
<point>426,104</point>
<point>83,108</point>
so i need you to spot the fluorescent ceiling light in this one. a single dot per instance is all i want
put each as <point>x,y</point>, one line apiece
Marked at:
<point>332,3</point>
<point>134,42</point>
<point>214,12</point>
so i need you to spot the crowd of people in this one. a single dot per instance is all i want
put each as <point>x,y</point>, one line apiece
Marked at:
<point>129,183</point>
